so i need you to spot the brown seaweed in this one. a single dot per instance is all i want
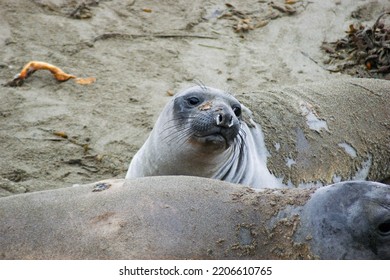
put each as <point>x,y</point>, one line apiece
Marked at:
<point>364,51</point>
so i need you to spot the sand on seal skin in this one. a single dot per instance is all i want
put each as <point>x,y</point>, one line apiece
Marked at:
<point>151,54</point>
<point>180,217</point>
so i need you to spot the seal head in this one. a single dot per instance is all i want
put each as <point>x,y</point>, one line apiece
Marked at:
<point>205,132</point>
<point>352,218</point>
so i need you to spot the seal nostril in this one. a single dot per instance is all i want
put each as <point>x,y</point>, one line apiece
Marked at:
<point>219,119</point>
<point>224,120</point>
<point>384,228</point>
<point>231,122</point>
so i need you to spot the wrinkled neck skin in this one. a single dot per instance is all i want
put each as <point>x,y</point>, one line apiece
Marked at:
<point>250,165</point>
<point>165,153</point>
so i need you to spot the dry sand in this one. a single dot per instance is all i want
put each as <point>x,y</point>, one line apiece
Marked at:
<point>139,51</point>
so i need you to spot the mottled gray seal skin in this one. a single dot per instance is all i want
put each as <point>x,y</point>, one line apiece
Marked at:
<point>205,132</point>
<point>352,218</point>
<point>179,217</point>
<point>325,132</point>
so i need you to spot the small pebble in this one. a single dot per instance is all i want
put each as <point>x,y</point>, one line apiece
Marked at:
<point>101,187</point>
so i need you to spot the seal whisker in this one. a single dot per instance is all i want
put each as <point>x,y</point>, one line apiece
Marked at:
<point>180,118</point>
<point>175,125</point>
<point>171,136</point>
<point>201,85</point>
<point>184,136</point>
<point>178,135</point>
<point>171,127</point>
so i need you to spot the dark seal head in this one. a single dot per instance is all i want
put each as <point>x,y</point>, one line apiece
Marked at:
<point>348,220</point>
<point>205,132</point>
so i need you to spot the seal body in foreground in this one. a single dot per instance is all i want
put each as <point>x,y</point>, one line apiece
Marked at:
<point>205,132</point>
<point>178,217</point>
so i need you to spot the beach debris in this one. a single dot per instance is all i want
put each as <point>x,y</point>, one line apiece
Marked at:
<point>82,11</point>
<point>128,36</point>
<point>60,75</point>
<point>243,24</point>
<point>267,11</point>
<point>101,187</point>
<point>291,2</point>
<point>363,52</point>
<point>147,10</point>
<point>60,134</point>
<point>284,8</point>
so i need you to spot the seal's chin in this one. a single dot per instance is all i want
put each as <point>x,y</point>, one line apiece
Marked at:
<point>215,141</point>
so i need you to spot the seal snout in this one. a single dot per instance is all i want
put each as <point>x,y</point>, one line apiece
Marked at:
<point>217,126</point>
<point>224,120</point>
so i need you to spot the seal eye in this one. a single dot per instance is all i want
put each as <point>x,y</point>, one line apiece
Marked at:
<point>237,110</point>
<point>384,228</point>
<point>193,101</point>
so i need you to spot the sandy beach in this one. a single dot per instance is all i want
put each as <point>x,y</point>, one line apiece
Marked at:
<point>55,134</point>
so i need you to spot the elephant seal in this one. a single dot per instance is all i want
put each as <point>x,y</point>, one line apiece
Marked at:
<point>324,132</point>
<point>205,132</point>
<point>349,212</point>
<point>179,217</point>
<point>304,135</point>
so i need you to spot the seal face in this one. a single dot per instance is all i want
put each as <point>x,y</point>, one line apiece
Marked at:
<point>211,121</point>
<point>205,132</point>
